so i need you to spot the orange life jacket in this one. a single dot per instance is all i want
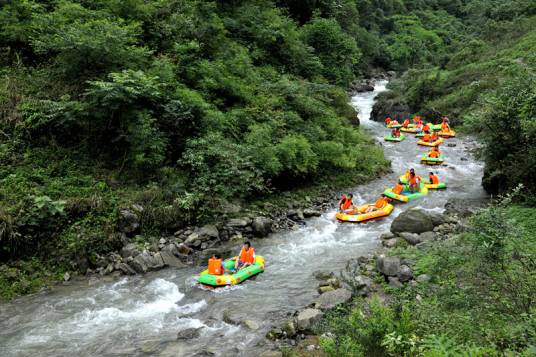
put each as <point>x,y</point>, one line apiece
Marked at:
<point>398,189</point>
<point>387,120</point>
<point>433,154</point>
<point>434,179</point>
<point>381,202</point>
<point>214,266</point>
<point>406,122</point>
<point>247,256</point>
<point>435,137</point>
<point>426,127</point>
<point>414,180</point>
<point>445,126</point>
<point>346,204</point>
<point>426,137</point>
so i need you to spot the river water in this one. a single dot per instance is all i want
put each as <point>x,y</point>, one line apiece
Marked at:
<point>141,315</point>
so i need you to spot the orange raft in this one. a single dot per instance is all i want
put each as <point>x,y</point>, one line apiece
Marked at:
<point>447,134</point>
<point>359,215</point>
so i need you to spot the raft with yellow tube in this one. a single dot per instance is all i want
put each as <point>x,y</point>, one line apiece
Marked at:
<point>432,160</point>
<point>392,126</point>
<point>390,137</point>
<point>411,130</point>
<point>406,195</point>
<point>360,215</point>
<point>433,143</point>
<point>431,186</point>
<point>447,134</point>
<point>232,279</point>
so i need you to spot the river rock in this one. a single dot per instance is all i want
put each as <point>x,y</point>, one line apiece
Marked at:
<point>427,236</point>
<point>139,264</point>
<point>390,243</point>
<point>289,328</point>
<point>388,266</point>
<point>126,269</point>
<point>208,232</point>
<point>394,282</point>
<point>387,235</point>
<point>325,289</point>
<point>311,213</point>
<point>130,250</point>
<point>296,215</point>
<point>307,319</point>
<point>323,275</point>
<point>189,333</point>
<point>333,298</point>
<point>388,106</point>
<point>229,318</point>
<point>171,260</point>
<point>250,324</point>
<point>413,220</point>
<point>361,281</point>
<point>262,226</point>
<point>436,217</point>
<point>404,273</point>
<point>464,207</point>
<point>411,238</point>
<point>239,222</point>
<point>128,221</point>
<point>274,333</point>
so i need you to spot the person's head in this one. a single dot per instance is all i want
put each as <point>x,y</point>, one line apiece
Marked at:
<point>411,171</point>
<point>431,174</point>
<point>399,182</point>
<point>217,256</point>
<point>350,196</point>
<point>247,245</point>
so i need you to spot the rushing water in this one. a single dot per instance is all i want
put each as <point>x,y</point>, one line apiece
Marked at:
<point>141,315</point>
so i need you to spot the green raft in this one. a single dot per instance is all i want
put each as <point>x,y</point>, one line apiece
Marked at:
<point>432,160</point>
<point>232,279</point>
<point>392,138</point>
<point>407,195</point>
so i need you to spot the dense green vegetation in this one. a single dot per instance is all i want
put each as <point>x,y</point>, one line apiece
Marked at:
<point>486,84</point>
<point>479,301</point>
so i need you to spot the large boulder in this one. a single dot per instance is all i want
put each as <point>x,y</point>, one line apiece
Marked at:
<point>405,273</point>
<point>128,221</point>
<point>262,226</point>
<point>388,266</point>
<point>333,298</point>
<point>189,333</point>
<point>239,222</point>
<point>308,318</point>
<point>208,232</point>
<point>171,260</point>
<point>388,106</point>
<point>464,207</point>
<point>309,212</point>
<point>411,238</point>
<point>129,250</point>
<point>139,264</point>
<point>126,269</point>
<point>413,221</point>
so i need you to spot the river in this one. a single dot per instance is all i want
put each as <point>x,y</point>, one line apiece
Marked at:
<point>141,315</point>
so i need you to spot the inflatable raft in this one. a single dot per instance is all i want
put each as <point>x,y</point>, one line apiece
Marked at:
<point>432,160</point>
<point>392,126</point>
<point>392,138</point>
<point>426,143</point>
<point>360,216</point>
<point>435,186</point>
<point>447,134</point>
<point>411,130</point>
<point>406,195</point>
<point>435,127</point>
<point>419,135</point>
<point>232,279</point>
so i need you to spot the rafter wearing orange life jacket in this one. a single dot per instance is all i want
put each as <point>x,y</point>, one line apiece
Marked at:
<point>405,123</point>
<point>398,188</point>
<point>247,256</point>
<point>381,202</point>
<point>214,266</point>
<point>434,153</point>
<point>387,121</point>
<point>433,179</point>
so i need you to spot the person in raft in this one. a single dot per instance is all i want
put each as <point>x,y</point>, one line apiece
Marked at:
<point>434,137</point>
<point>398,188</point>
<point>434,152</point>
<point>395,133</point>
<point>387,121</point>
<point>215,265</point>
<point>346,204</point>
<point>445,127</point>
<point>245,258</point>
<point>405,123</point>
<point>380,203</point>
<point>414,182</point>
<point>433,179</point>
<point>407,174</point>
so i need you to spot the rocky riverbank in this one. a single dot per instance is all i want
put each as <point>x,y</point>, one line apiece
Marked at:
<point>367,276</point>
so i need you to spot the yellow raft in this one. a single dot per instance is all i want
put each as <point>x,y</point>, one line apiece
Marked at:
<point>426,143</point>
<point>411,130</point>
<point>360,216</point>
<point>447,134</point>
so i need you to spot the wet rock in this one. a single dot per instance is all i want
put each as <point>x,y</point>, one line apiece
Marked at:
<point>229,318</point>
<point>189,333</point>
<point>156,261</point>
<point>412,221</point>
<point>325,289</point>
<point>411,238</point>
<point>390,243</point>
<point>394,282</point>
<point>333,298</point>
<point>388,266</point>
<point>274,334</point>
<point>239,222</point>
<point>171,260</point>
<point>262,226</point>
<point>129,250</point>
<point>404,273</point>
<point>289,328</point>
<point>139,265</point>
<point>208,232</point>
<point>296,215</point>
<point>361,281</point>
<point>323,275</point>
<point>128,221</point>
<point>427,236</point>
<point>311,213</point>
<point>451,145</point>
<point>436,217</point>
<point>126,269</point>
<point>250,324</point>
<point>387,235</point>
<point>307,318</point>
<point>387,106</point>
<point>360,88</point>
<point>334,282</point>
<point>464,207</point>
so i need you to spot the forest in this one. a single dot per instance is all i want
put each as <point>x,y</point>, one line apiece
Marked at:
<point>183,106</point>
